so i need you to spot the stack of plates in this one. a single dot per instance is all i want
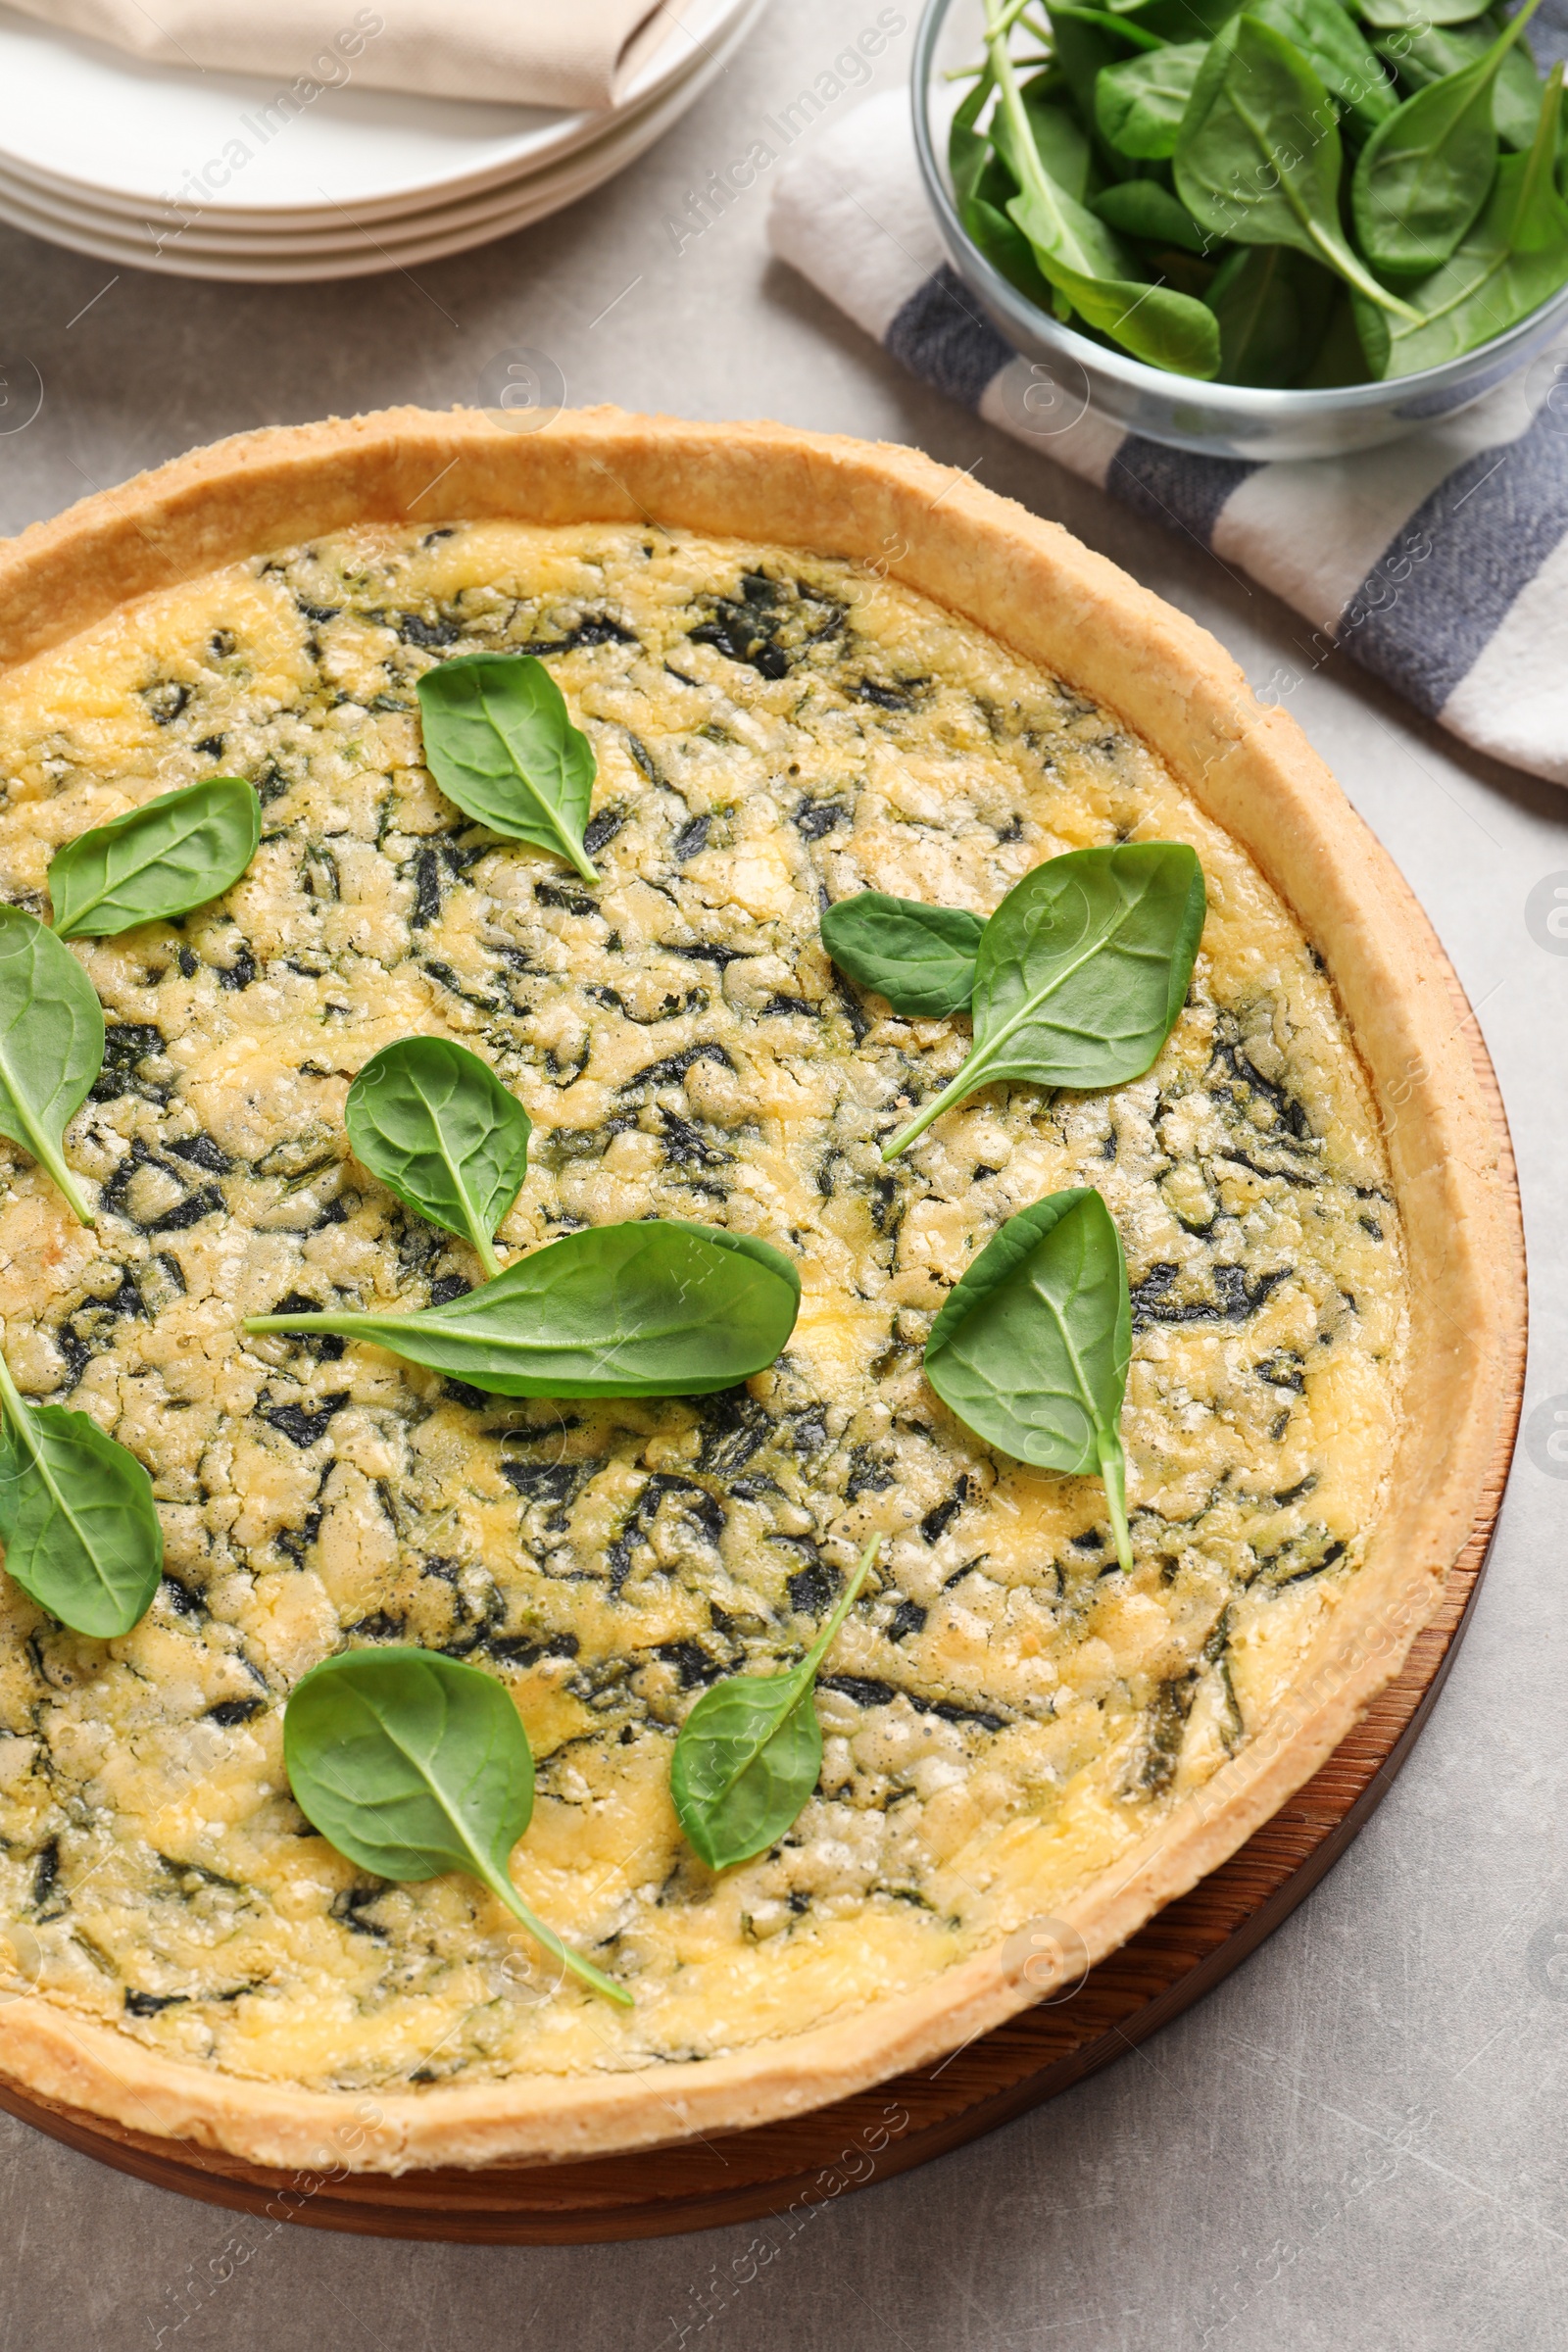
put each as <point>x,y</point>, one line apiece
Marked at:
<point>142,165</point>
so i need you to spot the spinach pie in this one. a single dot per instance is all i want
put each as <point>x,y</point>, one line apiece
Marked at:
<point>791,670</point>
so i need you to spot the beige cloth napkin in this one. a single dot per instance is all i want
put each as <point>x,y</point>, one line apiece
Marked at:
<point>569,53</point>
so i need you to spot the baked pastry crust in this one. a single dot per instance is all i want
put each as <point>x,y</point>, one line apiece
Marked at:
<point>1035,589</point>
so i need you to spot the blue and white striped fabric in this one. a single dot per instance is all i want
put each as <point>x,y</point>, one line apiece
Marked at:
<point>1441,562</point>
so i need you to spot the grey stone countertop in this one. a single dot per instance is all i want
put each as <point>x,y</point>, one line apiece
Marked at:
<point>1357,2144</point>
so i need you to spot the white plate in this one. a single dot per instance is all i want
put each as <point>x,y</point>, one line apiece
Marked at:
<point>340,232</point>
<point>90,122</point>
<point>363,260</point>
<point>426,234</point>
<point>78,219</point>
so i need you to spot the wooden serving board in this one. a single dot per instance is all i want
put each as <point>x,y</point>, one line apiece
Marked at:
<point>786,2169</point>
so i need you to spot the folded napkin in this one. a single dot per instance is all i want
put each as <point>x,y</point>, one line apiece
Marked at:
<point>1441,562</point>
<point>570,53</point>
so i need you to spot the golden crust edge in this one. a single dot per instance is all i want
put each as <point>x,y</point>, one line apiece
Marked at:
<point>1031,585</point>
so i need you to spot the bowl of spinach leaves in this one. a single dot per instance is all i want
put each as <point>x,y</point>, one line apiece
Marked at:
<point>1281,229</point>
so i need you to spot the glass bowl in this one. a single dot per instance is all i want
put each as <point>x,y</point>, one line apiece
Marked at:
<point>1219,421</point>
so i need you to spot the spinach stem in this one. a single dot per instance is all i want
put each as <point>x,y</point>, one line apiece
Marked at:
<point>1113,1471</point>
<point>998,23</point>
<point>846,1601</point>
<point>321,1322</point>
<point>52,1160</point>
<point>12,1399</point>
<point>581,1968</point>
<point>1541,157</point>
<point>484,1247</point>
<point>90,908</point>
<point>1337,254</point>
<point>954,1092</point>
<point>1516,27</point>
<point>982,73</point>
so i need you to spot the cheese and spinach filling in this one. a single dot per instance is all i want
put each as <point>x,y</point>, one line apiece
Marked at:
<point>1005,1711</point>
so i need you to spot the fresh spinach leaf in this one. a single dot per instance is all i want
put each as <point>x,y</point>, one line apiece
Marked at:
<point>1424,175</point>
<point>1007,249</point>
<point>1194,272</point>
<point>1140,102</point>
<point>1414,16</point>
<point>1431,55</point>
<point>1142,207</point>
<point>1092,270</point>
<point>81,1531</point>
<point>1186,20</point>
<point>1513,260</point>
<point>920,957</point>
<point>1341,358</point>
<point>163,858</point>
<point>1056,139</point>
<point>750,1753</point>
<point>1032,1346</point>
<point>1273,305</point>
<point>1338,51</point>
<point>657,1308</point>
<point>1124,26</point>
<point>1096,276</point>
<point>412,1764</point>
<point>1259,156</point>
<point>1516,97</point>
<point>51,1045</point>
<point>1081,973</point>
<point>1220,127</point>
<point>498,739</point>
<point>439,1129</point>
<point>968,149</point>
<point>1087,40</point>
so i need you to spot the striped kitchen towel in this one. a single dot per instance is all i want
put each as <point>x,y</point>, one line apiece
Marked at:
<point>1441,562</point>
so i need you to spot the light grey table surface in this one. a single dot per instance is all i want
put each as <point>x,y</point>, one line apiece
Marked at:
<point>1357,2144</point>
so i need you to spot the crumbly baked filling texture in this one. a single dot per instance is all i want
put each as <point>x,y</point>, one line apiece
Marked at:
<point>1006,1712</point>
